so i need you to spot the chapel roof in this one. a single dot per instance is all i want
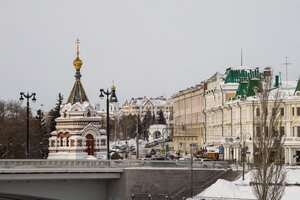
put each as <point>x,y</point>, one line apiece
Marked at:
<point>78,93</point>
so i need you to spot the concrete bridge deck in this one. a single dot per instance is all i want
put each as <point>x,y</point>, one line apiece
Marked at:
<point>100,179</point>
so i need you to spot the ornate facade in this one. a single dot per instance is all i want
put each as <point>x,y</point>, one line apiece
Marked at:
<point>78,133</point>
<point>231,111</point>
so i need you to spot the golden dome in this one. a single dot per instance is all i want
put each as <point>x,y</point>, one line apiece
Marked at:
<point>113,87</point>
<point>77,62</point>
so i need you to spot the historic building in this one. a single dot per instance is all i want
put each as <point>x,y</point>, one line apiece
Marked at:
<point>78,133</point>
<point>228,111</point>
<point>141,105</point>
<point>188,118</point>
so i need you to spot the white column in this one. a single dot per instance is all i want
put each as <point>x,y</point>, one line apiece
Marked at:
<point>286,160</point>
<point>64,141</point>
<point>290,155</point>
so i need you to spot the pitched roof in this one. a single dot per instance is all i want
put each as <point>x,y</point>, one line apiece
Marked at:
<point>297,87</point>
<point>78,93</point>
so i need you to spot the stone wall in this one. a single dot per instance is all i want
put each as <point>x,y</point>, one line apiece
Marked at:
<point>164,181</point>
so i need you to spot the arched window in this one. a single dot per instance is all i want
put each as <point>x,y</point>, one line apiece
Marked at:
<point>79,143</point>
<point>60,139</point>
<point>67,135</point>
<point>257,112</point>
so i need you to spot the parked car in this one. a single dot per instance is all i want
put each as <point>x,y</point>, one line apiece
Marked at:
<point>206,159</point>
<point>101,156</point>
<point>131,148</point>
<point>158,158</point>
<point>185,159</point>
<point>151,144</point>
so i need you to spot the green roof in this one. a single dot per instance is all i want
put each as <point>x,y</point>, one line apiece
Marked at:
<point>242,89</point>
<point>254,86</point>
<point>298,87</point>
<point>239,75</point>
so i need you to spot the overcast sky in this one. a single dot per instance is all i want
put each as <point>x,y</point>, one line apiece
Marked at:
<point>148,48</point>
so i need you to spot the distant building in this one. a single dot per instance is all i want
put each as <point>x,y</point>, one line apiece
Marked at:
<point>141,105</point>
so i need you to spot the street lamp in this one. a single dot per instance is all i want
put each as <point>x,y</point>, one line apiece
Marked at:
<point>243,152</point>
<point>107,93</point>
<point>27,96</point>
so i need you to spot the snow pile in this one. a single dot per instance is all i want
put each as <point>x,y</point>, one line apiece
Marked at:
<point>223,188</point>
<point>242,190</point>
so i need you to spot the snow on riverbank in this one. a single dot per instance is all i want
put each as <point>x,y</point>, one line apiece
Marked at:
<point>242,190</point>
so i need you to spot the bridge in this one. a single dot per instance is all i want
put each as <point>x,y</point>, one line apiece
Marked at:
<point>102,179</point>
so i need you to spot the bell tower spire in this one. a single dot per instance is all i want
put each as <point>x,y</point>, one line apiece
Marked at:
<point>77,62</point>
<point>77,94</point>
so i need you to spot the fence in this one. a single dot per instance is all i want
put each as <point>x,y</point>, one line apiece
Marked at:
<point>163,197</point>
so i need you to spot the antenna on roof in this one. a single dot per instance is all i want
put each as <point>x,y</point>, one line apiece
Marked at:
<point>241,57</point>
<point>286,68</point>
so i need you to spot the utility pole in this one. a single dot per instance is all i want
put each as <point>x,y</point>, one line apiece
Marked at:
<point>286,69</point>
<point>191,151</point>
<point>137,136</point>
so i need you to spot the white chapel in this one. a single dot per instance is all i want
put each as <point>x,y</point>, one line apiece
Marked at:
<point>78,133</point>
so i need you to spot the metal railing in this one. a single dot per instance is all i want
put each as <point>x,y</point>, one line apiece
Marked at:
<point>44,163</point>
<point>163,197</point>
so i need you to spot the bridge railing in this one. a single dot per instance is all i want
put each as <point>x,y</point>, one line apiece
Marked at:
<point>44,163</point>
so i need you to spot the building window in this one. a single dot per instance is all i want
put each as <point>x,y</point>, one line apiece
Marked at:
<point>293,111</point>
<point>273,112</point>
<point>102,142</point>
<point>281,111</point>
<point>281,130</point>
<point>266,111</point>
<point>257,112</point>
<point>266,131</point>
<point>298,111</point>
<point>298,131</point>
<point>258,134</point>
<point>67,141</point>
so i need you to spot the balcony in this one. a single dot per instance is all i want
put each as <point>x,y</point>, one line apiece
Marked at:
<point>292,140</point>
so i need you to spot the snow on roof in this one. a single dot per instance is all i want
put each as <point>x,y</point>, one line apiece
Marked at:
<point>289,84</point>
<point>243,68</point>
<point>159,101</point>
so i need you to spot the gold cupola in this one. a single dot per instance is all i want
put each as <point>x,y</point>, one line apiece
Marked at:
<point>77,62</point>
<point>113,87</point>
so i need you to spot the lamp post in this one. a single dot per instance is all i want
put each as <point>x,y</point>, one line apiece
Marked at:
<point>107,93</point>
<point>27,96</point>
<point>243,152</point>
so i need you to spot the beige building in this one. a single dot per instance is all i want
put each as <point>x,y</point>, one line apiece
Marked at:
<point>227,111</point>
<point>188,118</point>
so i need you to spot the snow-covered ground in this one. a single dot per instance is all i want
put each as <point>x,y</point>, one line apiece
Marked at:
<point>241,189</point>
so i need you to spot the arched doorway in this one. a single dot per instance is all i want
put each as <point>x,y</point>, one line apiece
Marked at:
<point>156,135</point>
<point>90,144</point>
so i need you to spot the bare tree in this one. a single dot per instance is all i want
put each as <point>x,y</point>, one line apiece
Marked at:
<point>11,129</point>
<point>269,177</point>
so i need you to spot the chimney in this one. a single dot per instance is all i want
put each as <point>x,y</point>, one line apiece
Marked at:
<point>267,72</point>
